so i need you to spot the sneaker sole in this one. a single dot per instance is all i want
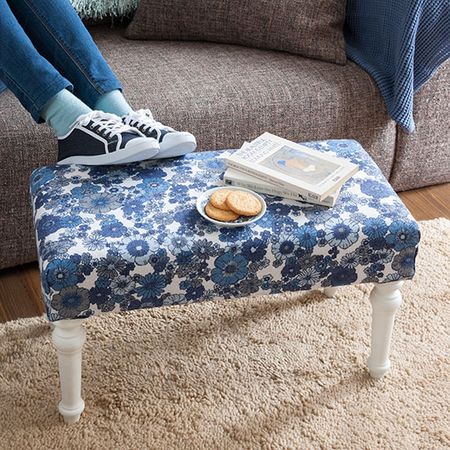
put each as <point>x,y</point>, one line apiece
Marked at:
<point>136,154</point>
<point>183,145</point>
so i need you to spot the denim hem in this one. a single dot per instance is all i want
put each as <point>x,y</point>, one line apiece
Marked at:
<point>42,99</point>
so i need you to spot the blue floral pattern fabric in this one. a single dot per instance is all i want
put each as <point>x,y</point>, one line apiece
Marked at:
<point>128,237</point>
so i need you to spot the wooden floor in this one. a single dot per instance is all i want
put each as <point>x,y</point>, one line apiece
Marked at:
<point>20,291</point>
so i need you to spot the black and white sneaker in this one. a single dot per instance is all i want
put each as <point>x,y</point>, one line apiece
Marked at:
<point>172,143</point>
<point>99,138</point>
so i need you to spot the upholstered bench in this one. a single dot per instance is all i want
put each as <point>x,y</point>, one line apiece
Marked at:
<point>127,237</point>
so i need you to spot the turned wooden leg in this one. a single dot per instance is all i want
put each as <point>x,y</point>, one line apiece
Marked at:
<point>68,337</point>
<point>330,291</point>
<point>386,299</point>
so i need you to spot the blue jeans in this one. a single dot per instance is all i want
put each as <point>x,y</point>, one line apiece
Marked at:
<point>44,48</point>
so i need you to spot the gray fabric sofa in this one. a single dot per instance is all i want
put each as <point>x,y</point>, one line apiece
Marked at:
<point>226,94</point>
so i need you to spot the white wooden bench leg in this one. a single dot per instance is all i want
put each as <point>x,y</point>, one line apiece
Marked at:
<point>386,299</point>
<point>330,291</point>
<point>68,337</point>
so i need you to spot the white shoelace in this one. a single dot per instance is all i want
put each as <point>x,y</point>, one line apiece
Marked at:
<point>110,124</point>
<point>143,119</point>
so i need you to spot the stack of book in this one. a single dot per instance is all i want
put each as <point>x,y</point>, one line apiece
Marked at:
<point>273,165</point>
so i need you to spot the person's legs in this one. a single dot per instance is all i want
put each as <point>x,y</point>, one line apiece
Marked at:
<point>62,111</point>
<point>84,136</point>
<point>27,74</point>
<point>60,36</point>
<point>58,33</point>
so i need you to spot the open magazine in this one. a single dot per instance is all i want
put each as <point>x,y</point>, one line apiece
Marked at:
<point>293,167</point>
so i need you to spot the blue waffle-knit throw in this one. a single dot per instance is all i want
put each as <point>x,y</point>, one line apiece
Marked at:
<point>400,43</point>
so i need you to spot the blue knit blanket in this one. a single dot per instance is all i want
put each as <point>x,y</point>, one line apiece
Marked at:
<point>400,43</point>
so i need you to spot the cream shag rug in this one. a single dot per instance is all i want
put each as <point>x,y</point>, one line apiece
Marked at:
<point>284,372</point>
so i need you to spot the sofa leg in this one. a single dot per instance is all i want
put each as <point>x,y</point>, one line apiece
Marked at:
<point>330,291</point>
<point>385,299</point>
<point>68,337</point>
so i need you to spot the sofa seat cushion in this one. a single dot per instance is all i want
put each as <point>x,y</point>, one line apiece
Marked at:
<point>224,94</point>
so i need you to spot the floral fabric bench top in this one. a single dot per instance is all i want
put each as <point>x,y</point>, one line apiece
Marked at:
<point>128,237</point>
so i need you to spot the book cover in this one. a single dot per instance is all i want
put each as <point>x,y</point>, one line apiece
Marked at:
<point>236,178</point>
<point>292,166</point>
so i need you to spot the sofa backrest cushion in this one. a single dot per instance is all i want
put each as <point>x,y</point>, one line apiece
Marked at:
<point>311,28</point>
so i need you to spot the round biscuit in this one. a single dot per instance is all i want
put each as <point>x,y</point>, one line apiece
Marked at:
<point>220,214</point>
<point>219,197</point>
<point>243,203</point>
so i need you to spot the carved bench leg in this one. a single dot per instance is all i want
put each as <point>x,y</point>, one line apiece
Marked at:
<point>330,291</point>
<point>386,299</point>
<point>68,337</point>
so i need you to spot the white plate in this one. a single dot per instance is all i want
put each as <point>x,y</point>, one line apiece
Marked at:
<point>204,199</point>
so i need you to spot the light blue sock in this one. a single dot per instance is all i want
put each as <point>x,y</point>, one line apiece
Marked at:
<point>113,102</point>
<point>61,111</point>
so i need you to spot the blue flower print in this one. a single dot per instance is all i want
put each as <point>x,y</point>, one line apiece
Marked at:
<point>285,246</point>
<point>254,249</point>
<point>235,234</point>
<point>178,190</point>
<point>307,236</point>
<point>122,285</point>
<point>48,224</point>
<point>95,241</point>
<point>175,299</point>
<point>374,270</point>
<point>318,214</point>
<point>61,273</point>
<point>350,260</point>
<point>384,256</point>
<point>341,276</point>
<point>138,249</point>
<point>194,290</point>
<point>113,228</point>
<point>308,277</point>
<point>376,244</point>
<point>401,235</point>
<point>404,262</point>
<point>54,249</point>
<point>110,266</point>
<point>40,177</point>
<point>70,221</point>
<point>70,302</point>
<point>85,190</point>
<point>364,255</point>
<point>187,217</point>
<point>100,203</point>
<point>204,249</point>
<point>99,295</point>
<point>280,209</point>
<point>130,236</point>
<point>340,233</point>
<point>185,258</point>
<point>177,244</point>
<point>229,269</point>
<point>249,286</point>
<point>375,228</point>
<point>375,189</point>
<point>291,268</point>
<point>151,286</point>
<point>133,206</point>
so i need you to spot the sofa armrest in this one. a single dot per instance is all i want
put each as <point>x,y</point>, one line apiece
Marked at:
<point>423,157</point>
